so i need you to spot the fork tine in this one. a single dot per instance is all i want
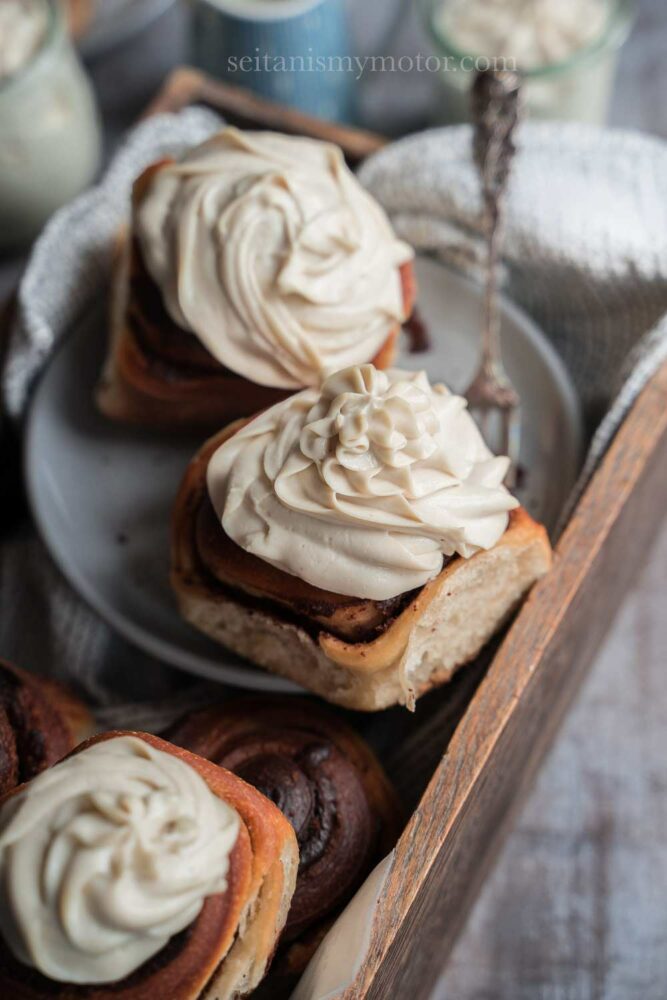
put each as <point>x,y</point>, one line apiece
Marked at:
<point>514,438</point>
<point>505,432</point>
<point>483,422</point>
<point>512,443</point>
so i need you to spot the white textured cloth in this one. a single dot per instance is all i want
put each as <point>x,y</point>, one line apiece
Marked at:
<point>585,255</point>
<point>586,238</point>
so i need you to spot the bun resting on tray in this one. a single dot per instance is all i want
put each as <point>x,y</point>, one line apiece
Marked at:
<point>356,538</point>
<point>134,869</point>
<point>250,266</point>
<point>326,781</point>
<point>40,722</point>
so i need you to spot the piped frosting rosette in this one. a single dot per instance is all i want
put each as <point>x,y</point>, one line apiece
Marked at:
<point>363,487</point>
<point>268,249</point>
<point>107,855</point>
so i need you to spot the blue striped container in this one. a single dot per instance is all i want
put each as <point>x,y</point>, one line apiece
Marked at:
<point>293,51</point>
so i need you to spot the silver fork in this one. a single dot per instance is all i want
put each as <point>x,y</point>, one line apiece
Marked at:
<point>492,399</point>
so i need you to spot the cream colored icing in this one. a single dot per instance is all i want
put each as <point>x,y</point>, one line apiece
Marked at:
<point>22,30</point>
<point>532,32</point>
<point>269,250</point>
<point>105,856</point>
<point>362,487</point>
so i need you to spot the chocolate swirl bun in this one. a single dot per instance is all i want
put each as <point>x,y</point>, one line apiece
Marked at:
<point>324,779</point>
<point>40,722</point>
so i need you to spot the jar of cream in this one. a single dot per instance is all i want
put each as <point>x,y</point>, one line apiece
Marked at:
<point>565,50</point>
<point>50,146</point>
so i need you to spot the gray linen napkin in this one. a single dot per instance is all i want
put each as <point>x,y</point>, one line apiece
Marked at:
<point>586,255</point>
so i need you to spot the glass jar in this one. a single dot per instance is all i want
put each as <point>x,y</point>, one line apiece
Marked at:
<point>577,88</point>
<point>291,51</point>
<point>50,137</point>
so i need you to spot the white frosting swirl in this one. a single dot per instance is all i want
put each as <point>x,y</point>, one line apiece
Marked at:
<point>22,29</point>
<point>269,250</point>
<point>105,856</point>
<point>363,487</point>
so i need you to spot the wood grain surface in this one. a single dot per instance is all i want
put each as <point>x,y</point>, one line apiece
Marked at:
<point>575,908</point>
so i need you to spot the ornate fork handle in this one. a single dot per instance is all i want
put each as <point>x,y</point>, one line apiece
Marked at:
<point>495,113</point>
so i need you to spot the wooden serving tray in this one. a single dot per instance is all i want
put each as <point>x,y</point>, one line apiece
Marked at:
<point>490,729</point>
<point>482,737</point>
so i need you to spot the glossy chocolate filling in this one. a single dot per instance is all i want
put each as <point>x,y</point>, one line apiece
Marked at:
<point>319,791</point>
<point>289,753</point>
<point>349,618</point>
<point>177,352</point>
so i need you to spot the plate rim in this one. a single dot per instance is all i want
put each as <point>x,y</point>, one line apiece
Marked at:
<point>250,676</point>
<point>543,346</point>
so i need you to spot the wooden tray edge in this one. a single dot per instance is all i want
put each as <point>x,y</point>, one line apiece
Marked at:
<point>186,86</point>
<point>512,719</point>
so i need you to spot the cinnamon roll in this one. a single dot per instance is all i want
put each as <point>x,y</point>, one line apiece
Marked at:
<point>324,779</point>
<point>356,538</point>
<point>40,722</point>
<point>134,870</point>
<point>249,268</point>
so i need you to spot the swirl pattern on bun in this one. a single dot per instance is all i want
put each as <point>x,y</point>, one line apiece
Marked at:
<point>40,722</point>
<point>324,779</point>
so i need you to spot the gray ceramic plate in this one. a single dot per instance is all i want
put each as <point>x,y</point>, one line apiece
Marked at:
<point>101,493</point>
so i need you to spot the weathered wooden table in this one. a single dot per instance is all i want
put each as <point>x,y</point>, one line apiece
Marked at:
<point>575,907</point>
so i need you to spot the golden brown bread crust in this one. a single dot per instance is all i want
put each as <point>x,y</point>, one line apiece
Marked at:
<point>210,957</point>
<point>40,722</point>
<point>313,637</point>
<point>158,374</point>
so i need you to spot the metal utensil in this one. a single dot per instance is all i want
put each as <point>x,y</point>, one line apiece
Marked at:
<point>492,398</point>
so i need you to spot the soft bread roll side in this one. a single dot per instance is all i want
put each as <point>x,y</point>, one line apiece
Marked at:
<point>444,627</point>
<point>76,716</point>
<point>116,395</point>
<point>247,960</point>
<point>127,392</point>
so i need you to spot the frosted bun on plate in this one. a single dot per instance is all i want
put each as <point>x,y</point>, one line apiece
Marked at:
<point>247,269</point>
<point>356,539</point>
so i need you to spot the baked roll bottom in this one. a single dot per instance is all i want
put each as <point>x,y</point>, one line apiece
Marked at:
<point>361,654</point>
